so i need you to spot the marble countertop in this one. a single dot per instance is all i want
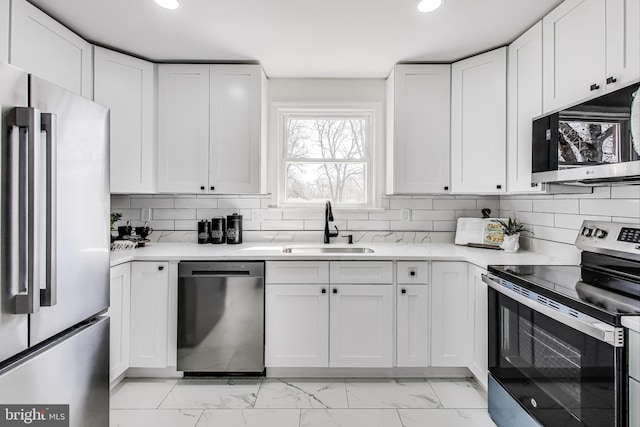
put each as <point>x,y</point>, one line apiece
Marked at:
<point>382,251</point>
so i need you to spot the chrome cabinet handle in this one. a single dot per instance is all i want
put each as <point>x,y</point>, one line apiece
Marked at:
<point>49,294</point>
<point>23,236</point>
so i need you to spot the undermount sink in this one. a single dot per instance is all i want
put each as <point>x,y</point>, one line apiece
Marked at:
<point>326,250</point>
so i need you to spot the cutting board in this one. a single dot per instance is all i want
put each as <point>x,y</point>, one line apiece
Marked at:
<point>485,231</point>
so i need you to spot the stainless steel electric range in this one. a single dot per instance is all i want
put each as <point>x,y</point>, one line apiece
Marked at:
<point>557,351</point>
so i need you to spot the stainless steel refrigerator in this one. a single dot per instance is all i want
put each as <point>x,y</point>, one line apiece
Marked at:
<point>54,233</point>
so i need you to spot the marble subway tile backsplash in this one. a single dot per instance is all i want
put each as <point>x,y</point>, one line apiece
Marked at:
<point>426,213</point>
<point>558,218</point>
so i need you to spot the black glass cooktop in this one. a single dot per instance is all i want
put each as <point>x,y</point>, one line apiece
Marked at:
<point>601,293</point>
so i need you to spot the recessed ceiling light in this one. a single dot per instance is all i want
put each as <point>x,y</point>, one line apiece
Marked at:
<point>168,4</point>
<point>427,5</point>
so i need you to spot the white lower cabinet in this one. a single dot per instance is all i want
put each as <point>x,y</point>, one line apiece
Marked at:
<point>478,325</point>
<point>412,326</point>
<point>297,325</point>
<point>150,313</point>
<point>361,326</point>
<point>119,312</point>
<point>321,324</point>
<point>634,403</point>
<point>449,314</point>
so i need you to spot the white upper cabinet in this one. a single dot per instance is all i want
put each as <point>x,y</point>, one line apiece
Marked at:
<point>44,47</point>
<point>183,128</point>
<point>590,47</point>
<point>236,140</point>
<point>211,128</point>
<point>623,43</point>
<point>5,18</point>
<point>126,86</point>
<point>525,102</point>
<point>478,123</point>
<point>418,120</point>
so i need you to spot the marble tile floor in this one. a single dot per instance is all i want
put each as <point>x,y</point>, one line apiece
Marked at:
<point>273,402</point>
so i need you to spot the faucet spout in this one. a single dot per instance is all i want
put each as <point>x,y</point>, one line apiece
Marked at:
<point>328,216</point>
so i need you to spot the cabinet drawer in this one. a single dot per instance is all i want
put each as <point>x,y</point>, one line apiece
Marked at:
<point>634,354</point>
<point>370,272</point>
<point>409,273</point>
<point>297,272</point>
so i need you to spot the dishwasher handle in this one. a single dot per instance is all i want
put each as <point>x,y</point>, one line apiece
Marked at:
<point>221,269</point>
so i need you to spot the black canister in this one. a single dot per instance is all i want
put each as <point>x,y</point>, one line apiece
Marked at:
<point>218,229</point>
<point>234,229</point>
<point>204,228</point>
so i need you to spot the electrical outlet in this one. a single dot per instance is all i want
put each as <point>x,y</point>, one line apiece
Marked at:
<point>145,214</point>
<point>405,215</point>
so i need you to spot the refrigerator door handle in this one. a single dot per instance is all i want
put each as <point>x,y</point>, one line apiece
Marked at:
<point>24,210</point>
<point>49,294</point>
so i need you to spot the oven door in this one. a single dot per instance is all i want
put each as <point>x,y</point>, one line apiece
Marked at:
<point>561,370</point>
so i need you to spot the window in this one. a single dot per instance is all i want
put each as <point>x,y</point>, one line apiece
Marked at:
<point>326,155</point>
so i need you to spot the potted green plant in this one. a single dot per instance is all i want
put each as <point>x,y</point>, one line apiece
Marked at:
<point>115,216</point>
<point>512,229</point>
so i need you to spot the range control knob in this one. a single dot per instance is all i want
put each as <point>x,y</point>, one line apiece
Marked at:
<point>587,232</point>
<point>599,233</point>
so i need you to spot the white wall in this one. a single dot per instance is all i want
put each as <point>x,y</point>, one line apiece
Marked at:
<point>327,90</point>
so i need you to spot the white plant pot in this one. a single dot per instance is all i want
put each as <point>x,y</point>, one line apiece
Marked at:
<point>511,243</point>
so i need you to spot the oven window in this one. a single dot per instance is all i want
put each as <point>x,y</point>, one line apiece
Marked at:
<point>560,375</point>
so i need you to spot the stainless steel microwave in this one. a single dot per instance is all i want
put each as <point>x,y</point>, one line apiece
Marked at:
<point>595,142</point>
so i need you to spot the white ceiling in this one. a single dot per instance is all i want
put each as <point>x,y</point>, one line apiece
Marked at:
<point>301,38</point>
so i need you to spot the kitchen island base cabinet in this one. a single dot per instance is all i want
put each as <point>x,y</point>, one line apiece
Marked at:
<point>119,312</point>
<point>449,311</point>
<point>150,312</point>
<point>297,325</point>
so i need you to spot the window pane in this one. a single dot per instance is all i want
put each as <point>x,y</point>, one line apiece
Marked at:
<point>326,138</point>
<point>343,183</point>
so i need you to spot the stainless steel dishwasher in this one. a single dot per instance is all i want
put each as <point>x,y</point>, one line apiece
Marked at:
<point>221,318</point>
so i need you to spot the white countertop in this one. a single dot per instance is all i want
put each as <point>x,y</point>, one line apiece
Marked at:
<point>273,251</point>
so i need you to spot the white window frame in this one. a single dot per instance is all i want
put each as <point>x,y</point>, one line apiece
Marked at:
<point>280,112</point>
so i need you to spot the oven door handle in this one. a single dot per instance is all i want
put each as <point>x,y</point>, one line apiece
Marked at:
<point>593,327</point>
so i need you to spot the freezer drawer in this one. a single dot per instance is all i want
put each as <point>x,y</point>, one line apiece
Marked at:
<point>70,370</point>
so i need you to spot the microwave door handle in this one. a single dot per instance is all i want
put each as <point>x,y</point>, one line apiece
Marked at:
<point>22,237</point>
<point>49,294</point>
<point>598,330</point>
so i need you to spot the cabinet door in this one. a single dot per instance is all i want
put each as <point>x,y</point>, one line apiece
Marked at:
<point>183,128</point>
<point>119,312</point>
<point>5,17</point>
<point>236,129</point>
<point>149,314</point>
<point>623,43</point>
<point>525,103</point>
<point>449,314</point>
<point>361,326</point>
<point>126,86</point>
<point>478,325</point>
<point>573,52</point>
<point>297,325</point>
<point>478,123</point>
<point>44,47</point>
<point>422,122</point>
<point>412,336</point>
